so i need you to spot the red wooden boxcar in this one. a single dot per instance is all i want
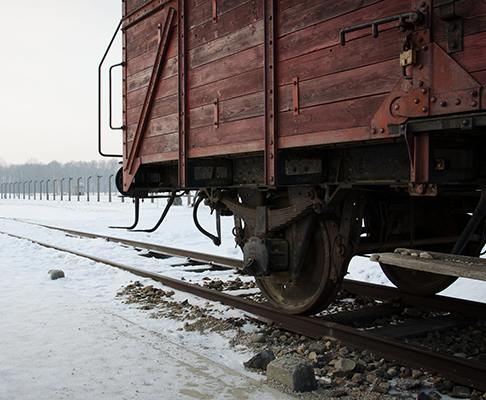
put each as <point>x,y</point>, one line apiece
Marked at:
<point>326,128</point>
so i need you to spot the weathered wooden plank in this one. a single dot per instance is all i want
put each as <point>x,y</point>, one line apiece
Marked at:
<point>243,107</point>
<point>203,12</point>
<point>146,59</point>
<point>235,86</point>
<point>160,157</point>
<point>238,41</point>
<point>325,137</point>
<point>157,126</point>
<point>326,34</point>
<point>224,68</point>
<point>229,133</point>
<point>367,81</point>
<point>160,108</point>
<point>134,5</point>
<point>330,117</point>
<point>159,144</point>
<point>231,20</point>
<point>140,80</point>
<point>311,12</point>
<point>473,53</point>
<point>165,88</point>
<point>341,58</point>
<point>228,149</point>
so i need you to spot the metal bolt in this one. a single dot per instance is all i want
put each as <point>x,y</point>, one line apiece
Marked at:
<point>433,99</point>
<point>424,91</point>
<point>425,109</point>
<point>443,103</point>
<point>396,107</point>
<point>465,122</point>
<point>420,83</point>
<point>382,130</point>
<point>474,104</point>
<point>420,66</point>
<point>457,102</point>
<point>373,131</point>
<point>425,48</point>
<point>416,101</point>
<point>474,93</point>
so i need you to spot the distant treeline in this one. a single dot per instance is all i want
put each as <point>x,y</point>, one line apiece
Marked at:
<point>36,171</point>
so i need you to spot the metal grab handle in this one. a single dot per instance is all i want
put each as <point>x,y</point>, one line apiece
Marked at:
<point>122,64</point>
<point>414,17</point>
<point>100,151</point>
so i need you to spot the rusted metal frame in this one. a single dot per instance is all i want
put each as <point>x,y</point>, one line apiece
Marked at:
<point>270,93</point>
<point>182,69</point>
<point>419,152</point>
<point>133,162</point>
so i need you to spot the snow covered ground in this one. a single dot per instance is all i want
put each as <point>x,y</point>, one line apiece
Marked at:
<point>72,338</point>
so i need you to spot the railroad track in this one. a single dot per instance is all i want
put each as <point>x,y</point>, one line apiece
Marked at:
<point>460,370</point>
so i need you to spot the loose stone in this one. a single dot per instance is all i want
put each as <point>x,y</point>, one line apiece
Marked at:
<point>294,373</point>
<point>261,360</point>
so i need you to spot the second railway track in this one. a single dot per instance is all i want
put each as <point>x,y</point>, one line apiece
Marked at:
<point>463,371</point>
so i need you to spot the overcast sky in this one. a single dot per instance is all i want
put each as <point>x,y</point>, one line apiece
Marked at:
<point>50,52</point>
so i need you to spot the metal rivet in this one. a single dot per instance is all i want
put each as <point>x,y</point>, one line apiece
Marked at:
<point>382,130</point>
<point>420,66</point>
<point>424,91</point>
<point>420,83</point>
<point>474,93</point>
<point>457,102</point>
<point>465,122</point>
<point>373,131</point>
<point>433,99</point>
<point>474,104</point>
<point>443,103</point>
<point>416,101</point>
<point>425,48</point>
<point>396,107</point>
<point>425,109</point>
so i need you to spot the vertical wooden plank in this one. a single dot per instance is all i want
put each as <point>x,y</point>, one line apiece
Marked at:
<point>182,95</point>
<point>270,93</point>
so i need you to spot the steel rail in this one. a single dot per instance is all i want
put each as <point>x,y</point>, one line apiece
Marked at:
<point>456,306</point>
<point>457,369</point>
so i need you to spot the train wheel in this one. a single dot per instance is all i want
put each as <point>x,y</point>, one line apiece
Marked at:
<point>429,224</point>
<point>316,287</point>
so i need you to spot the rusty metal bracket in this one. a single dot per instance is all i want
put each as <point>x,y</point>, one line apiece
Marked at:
<point>216,113</point>
<point>414,18</point>
<point>447,13</point>
<point>295,95</point>
<point>215,11</point>
<point>265,219</point>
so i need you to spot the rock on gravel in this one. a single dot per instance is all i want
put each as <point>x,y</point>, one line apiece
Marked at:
<point>295,373</point>
<point>261,360</point>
